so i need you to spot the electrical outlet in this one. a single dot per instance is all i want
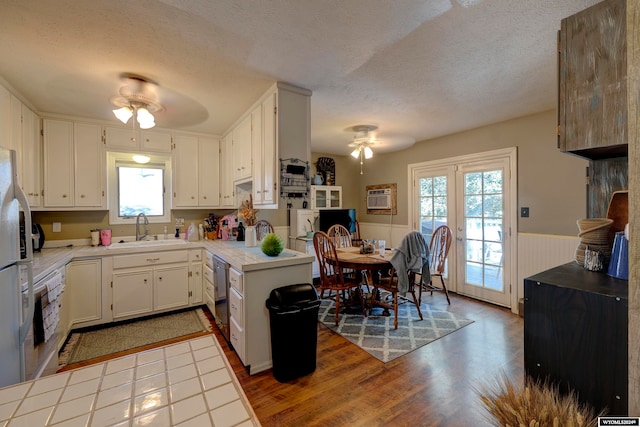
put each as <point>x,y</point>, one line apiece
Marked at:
<point>57,227</point>
<point>179,222</point>
<point>524,212</point>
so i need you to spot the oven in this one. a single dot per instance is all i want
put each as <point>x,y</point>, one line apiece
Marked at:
<point>41,342</point>
<point>221,291</point>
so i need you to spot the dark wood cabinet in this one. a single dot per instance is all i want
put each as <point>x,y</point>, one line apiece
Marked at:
<point>575,334</point>
<point>592,98</point>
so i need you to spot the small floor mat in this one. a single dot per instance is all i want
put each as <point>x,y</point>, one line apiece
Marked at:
<point>83,346</point>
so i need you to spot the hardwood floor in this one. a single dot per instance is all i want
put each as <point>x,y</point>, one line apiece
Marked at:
<point>435,385</point>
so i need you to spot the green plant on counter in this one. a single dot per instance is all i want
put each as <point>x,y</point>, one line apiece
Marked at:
<point>272,244</point>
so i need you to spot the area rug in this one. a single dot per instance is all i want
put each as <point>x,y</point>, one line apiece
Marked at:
<point>375,333</point>
<point>83,346</point>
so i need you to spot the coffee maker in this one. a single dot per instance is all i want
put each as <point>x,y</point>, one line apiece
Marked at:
<point>37,239</point>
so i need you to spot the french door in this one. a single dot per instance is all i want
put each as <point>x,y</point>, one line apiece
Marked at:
<point>475,196</point>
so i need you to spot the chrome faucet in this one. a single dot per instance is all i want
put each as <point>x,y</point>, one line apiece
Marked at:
<point>146,228</point>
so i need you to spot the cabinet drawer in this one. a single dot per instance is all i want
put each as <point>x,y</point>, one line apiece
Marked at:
<point>235,280</point>
<point>149,258</point>
<point>208,259</point>
<point>210,304</point>
<point>208,273</point>
<point>236,336</point>
<point>209,289</point>
<point>236,305</point>
<point>195,255</point>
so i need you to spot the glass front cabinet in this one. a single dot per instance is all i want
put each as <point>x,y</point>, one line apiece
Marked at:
<point>326,197</point>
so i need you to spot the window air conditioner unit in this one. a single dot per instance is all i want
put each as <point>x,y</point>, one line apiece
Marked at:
<point>379,199</point>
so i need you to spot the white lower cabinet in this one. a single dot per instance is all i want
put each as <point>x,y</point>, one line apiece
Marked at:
<point>132,293</point>
<point>84,292</point>
<point>237,338</point>
<point>153,282</point>
<point>195,277</point>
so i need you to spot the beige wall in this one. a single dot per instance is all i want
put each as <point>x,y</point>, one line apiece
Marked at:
<point>550,183</point>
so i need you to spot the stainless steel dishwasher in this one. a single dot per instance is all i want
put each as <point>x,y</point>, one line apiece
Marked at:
<point>221,285</point>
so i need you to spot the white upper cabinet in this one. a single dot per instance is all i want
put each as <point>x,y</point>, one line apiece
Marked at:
<point>242,150</point>
<point>74,165</point>
<point>31,157</point>
<point>90,167</point>
<point>264,152</point>
<point>5,115</point>
<point>130,140</point>
<point>226,171</point>
<point>196,172</point>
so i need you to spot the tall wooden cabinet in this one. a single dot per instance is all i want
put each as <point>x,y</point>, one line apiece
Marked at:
<point>575,334</point>
<point>592,59</point>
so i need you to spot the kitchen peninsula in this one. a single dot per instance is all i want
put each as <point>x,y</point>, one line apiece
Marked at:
<point>99,302</point>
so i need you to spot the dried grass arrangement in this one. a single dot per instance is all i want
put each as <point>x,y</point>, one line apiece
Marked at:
<point>534,404</point>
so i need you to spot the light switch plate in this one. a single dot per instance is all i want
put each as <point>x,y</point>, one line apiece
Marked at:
<point>57,227</point>
<point>179,222</point>
<point>524,212</point>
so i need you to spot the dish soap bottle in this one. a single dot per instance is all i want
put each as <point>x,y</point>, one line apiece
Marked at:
<point>193,233</point>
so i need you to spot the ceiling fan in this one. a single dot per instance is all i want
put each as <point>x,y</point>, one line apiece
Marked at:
<point>363,140</point>
<point>139,97</point>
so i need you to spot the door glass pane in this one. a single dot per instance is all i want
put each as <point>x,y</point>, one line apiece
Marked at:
<point>483,228</point>
<point>433,204</point>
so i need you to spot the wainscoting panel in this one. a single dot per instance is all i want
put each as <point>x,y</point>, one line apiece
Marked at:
<point>539,252</point>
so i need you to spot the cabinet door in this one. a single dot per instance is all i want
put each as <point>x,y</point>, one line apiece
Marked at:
<point>592,108</point>
<point>125,139</point>
<point>90,168</point>
<point>159,142</point>
<point>5,114</point>
<point>209,172</point>
<point>132,292</point>
<point>242,149</point>
<point>170,287</point>
<point>326,197</point>
<point>15,143</point>
<point>226,171</point>
<point>185,171</point>
<point>58,163</point>
<point>195,283</point>
<point>84,290</point>
<point>264,152</point>
<point>31,156</point>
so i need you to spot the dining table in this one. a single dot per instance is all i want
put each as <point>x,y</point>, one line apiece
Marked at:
<point>369,264</point>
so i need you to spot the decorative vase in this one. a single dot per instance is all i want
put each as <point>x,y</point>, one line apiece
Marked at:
<point>250,236</point>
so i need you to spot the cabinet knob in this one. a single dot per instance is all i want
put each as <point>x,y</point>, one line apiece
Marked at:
<point>64,196</point>
<point>192,197</point>
<point>82,196</point>
<point>160,278</point>
<point>204,197</point>
<point>145,280</point>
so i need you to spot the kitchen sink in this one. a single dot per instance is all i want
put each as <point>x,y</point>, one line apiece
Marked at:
<point>146,243</point>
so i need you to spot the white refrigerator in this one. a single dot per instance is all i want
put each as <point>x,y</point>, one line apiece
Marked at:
<point>14,320</point>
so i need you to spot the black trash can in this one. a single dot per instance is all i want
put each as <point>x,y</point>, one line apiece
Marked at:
<point>293,317</point>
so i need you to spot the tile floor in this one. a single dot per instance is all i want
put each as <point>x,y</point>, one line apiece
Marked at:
<point>186,384</point>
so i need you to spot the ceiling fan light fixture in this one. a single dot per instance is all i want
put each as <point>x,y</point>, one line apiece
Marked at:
<point>123,114</point>
<point>368,153</point>
<point>355,153</point>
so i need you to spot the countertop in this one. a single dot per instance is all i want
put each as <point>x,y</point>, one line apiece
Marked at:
<point>241,257</point>
<point>188,383</point>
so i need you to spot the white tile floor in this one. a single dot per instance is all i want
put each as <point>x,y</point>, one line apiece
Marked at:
<point>186,384</point>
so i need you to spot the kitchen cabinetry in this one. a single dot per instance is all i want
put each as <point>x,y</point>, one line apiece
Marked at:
<point>31,157</point>
<point>575,334</point>
<point>326,197</point>
<point>265,152</point>
<point>15,142</point>
<point>236,313</point>
<point>195,172</point>
<point>195,277</point>
<point>74,166</point>
<point>129,140</point>
<point>227,198</point>
<point>209,289</point>
<point>150,282</point>
<point>241,136</point>
<point>592,108</point>
<point>83,292</point>
<point>304,245</point>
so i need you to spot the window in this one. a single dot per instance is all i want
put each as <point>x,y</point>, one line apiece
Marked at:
<point>138,188</point>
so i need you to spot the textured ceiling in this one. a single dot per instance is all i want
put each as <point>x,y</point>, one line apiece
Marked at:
<point>416,69</point>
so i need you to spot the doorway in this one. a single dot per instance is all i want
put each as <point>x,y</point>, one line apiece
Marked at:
<point>475,195</point>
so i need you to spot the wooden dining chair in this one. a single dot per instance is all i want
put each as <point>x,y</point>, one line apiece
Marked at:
<point>263,228</point>
<point>390,285</point>
<point>357,238</point>
<point>331,276</point>
<point>438,251</point>
<point>340,235</point>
